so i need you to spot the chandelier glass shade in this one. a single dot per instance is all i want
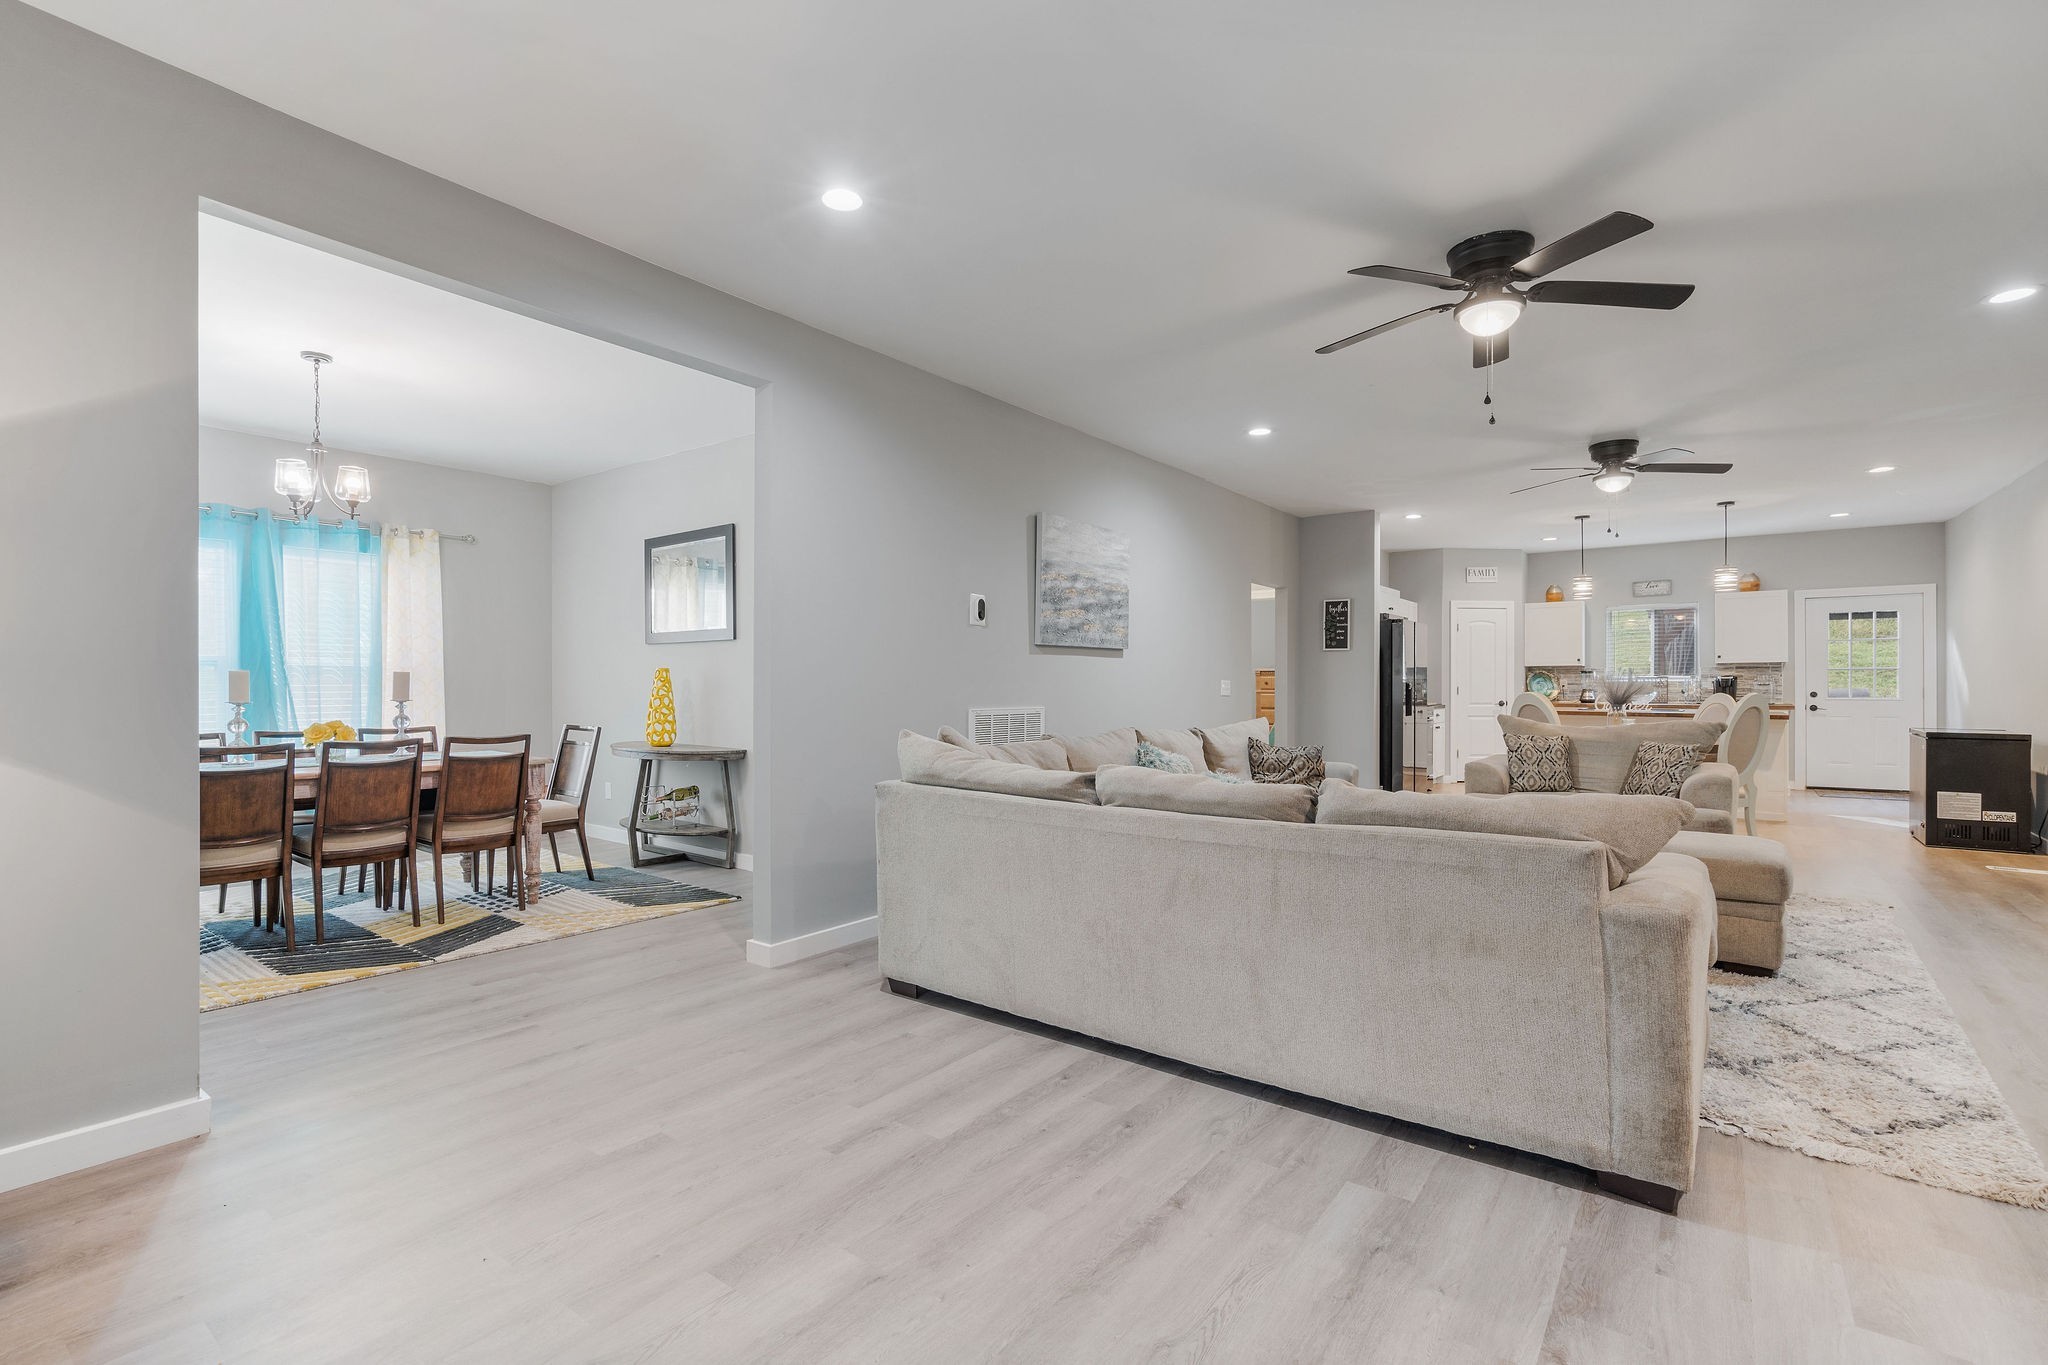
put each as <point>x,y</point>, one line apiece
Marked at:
<point>303,483</point>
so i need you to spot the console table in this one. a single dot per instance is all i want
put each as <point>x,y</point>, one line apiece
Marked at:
<point>639,829</point>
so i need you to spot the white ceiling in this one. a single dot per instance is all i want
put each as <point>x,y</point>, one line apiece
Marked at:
<point>1136,217</point>
<point>426,375</point>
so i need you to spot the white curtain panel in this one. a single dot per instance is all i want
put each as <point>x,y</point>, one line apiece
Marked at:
<point>412,623</point>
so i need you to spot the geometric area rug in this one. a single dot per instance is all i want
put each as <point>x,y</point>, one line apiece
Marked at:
<point>239,962</point>
<point>1851,1053</point>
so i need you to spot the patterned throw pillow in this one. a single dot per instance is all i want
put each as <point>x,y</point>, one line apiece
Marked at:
<point>1660,769</point>
<point>1165,760</point>
<point>1303,765</point>
<point>1539,763</point>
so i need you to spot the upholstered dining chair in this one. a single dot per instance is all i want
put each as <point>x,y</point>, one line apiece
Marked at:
<point>245,824</point>
<point>569,791</point>
<point>482,798</point>
<point>1715,706</point>
<point>1743,745</point>
<point>366,813</point>
<point>1534,706</point>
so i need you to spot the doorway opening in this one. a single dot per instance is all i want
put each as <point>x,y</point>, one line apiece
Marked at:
<point>1266,653</point>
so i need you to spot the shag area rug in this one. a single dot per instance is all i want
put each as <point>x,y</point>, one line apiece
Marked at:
<point>1850,1053</point>
<point>240,962</point>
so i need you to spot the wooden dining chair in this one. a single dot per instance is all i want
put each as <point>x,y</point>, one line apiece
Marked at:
<point>481,802</point>
<point>212,737</point>
<point>245,824</point>
<point>569,792</point>
<point>429,742</point>
<point>366,813</point>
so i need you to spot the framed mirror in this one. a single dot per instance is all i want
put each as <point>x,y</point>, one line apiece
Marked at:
<point>692,587</point>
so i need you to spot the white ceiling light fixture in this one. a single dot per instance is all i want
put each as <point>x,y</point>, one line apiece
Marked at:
<point>1834,515</point>
<point>1615,480</point>
<point>303,483</point>
<point>1727,578</point>
<point>1260,431</point>
<point>842,199</point>
<point>2015,294</point>
<point>1413,516</point>
<point>1489,312</point>
<point>1881,469</point>
<point>1582,586</point>
<point>1548,539</point>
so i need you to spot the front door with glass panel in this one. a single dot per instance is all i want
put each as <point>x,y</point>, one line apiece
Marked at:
<point>1864,689</point>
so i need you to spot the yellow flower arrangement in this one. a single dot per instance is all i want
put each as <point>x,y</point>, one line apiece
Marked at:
<point>322,731</point>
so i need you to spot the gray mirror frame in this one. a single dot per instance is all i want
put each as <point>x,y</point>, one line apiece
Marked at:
<point>732,587</point>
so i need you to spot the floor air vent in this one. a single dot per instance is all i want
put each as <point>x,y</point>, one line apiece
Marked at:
<point>1005,724</point>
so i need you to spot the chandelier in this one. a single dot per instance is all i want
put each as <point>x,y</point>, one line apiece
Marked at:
<point>302,483</point>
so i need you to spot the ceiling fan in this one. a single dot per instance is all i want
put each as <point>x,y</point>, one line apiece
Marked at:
<point>1616,465</point>
<point>1488,269</point>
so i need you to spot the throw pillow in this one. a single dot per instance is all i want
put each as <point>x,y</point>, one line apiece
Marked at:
<point>1224,746</point>
<point>1163,760</point>
<point>1186,743</point>
<point>1086,753</point>
<point>1660,769</point>
<point>1539,763</point>
<point>1269,764</point>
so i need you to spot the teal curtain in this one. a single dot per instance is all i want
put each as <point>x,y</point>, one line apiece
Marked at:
<point>297,604</point>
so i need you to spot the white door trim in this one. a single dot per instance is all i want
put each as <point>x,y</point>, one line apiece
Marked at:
<point>1451,718</point>
<point>1928,654</point>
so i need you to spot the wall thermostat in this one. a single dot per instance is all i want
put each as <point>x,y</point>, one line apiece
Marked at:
<point>977,609</point>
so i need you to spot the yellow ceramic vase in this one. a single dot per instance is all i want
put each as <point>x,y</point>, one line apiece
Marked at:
<point>661,711</point>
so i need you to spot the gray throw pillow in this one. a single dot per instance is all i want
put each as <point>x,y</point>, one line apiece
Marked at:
<point>1539,763</point>
<point>1302,766</point>
<point>1660,769</point>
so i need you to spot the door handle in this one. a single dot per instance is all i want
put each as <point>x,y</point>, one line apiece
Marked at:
<point>1502,704</point>
<point>1811,707</point>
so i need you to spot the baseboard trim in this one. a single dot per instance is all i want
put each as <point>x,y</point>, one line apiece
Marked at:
<point>782,952</point>
<point>45,1158</point>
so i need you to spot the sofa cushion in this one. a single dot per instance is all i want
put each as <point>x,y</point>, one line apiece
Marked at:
<point>1633,829</point>
<point>1272,764</point>
<point>1743,867</point>
<point>1227,748</point>
<point>1201,794</point>
<point>1048,754</point>
<point>1086,753</point>
<point>1539,763</point>
<point>1660,768</point>
<point>1601,754</point>
<point>1186,743</point>
<point>935,763</point>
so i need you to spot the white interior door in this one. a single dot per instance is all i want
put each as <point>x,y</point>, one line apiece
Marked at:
<point>1482,665</point>
<point>1864,688</point>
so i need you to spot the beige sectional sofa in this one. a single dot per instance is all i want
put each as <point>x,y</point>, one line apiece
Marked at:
<point>1498,986</point>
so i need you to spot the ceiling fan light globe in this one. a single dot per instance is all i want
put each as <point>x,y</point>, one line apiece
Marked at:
<point>1614,481</point>
<point>1488,315</point>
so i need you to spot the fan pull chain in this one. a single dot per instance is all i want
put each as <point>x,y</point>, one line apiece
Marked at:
<point>1490,417</point>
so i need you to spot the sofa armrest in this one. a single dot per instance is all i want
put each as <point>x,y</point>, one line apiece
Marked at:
<point>1487,776</point>
<point>1657,929</point>
<point>1712,787</point>
<point>1342,772</point>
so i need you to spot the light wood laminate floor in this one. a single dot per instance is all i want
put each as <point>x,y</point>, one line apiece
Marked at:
<point>632,1146</point>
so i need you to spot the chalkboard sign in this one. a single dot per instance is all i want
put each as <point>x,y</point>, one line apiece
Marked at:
<point>1337,623</point>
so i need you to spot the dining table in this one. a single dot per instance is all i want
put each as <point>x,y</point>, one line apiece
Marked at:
<point>306,786</point>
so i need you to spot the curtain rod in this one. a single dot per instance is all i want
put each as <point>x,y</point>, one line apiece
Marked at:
<point>250,513</point>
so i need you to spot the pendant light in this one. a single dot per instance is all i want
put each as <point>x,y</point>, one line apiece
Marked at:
<point>1582,586</point>
<point>303,482</point>
<point>1727,578</point>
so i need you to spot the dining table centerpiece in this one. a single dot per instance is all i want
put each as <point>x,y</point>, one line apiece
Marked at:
<point>320,732</point>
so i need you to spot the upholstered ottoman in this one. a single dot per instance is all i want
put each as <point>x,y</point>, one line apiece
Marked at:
<point>1752,881</point>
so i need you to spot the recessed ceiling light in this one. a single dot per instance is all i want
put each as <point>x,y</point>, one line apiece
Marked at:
<point>841,198</point>
<point>2015,294</point>
<point>1833,515</point>
<point>1260,431</point>
<point>1548,539</point>
<point>1881,469</point>
<point>1413,516</point>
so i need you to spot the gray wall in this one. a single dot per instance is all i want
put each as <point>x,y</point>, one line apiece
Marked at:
<point>1334,690</point>
<point>883,496</point>
<point>1995,652</point>
<point>1857,557</point>
<point>603,665</point>
<point>495,627</point>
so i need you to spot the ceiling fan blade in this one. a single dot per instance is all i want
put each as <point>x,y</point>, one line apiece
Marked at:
<point>1576,246</point>
<point>1611,294</point>
<point>1489,350</point>
<point>1547,482</point>
<point>1685,469</point>
<point>1560,469</point>
<point>1657,455</point>
<point>1407,276</point>
<point>1383,327</point>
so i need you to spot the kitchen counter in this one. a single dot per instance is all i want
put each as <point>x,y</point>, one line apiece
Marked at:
<point>1659,710</point>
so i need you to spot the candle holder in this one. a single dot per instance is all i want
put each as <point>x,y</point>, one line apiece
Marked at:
<point>238,726</point>
<point>400,722</point>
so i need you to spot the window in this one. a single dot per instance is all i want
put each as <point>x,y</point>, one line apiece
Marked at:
<point>331,599</point>
<point>1653,642</point>
<point>1863,654</point>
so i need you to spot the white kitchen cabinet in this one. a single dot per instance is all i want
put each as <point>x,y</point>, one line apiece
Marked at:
<point>1753,627</point>
<point>1554,634</point>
